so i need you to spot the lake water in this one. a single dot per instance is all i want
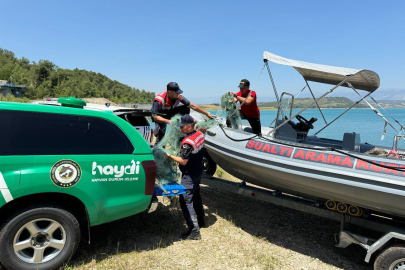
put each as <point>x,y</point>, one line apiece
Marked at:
<point>362,121</point>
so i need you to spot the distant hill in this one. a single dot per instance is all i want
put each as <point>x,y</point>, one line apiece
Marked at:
<point>392,103</point>
<point>327,102</point>
<point>390,94</point>
<point>45,79</point>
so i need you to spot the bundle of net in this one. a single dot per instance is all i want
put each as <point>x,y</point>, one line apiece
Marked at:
<point>205,123</point>
<point>171,142</point>
<point>229,111</point>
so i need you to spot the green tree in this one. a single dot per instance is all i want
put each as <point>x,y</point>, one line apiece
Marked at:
<point>47,79</point>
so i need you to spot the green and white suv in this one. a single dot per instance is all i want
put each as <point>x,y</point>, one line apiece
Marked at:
<point>138,118</point>
<point>62,170</point>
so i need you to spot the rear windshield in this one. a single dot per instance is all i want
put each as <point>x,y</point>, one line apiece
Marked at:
<point>135,120</point>
<point>32,133</point>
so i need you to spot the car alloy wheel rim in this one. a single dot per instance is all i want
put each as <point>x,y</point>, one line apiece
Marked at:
<point>39,241</point>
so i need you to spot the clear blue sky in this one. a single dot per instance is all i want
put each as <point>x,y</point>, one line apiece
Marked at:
<point>208,46</point>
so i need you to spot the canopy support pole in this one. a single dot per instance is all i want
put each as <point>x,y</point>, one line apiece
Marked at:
<point>324,95</point>
<point>341,114</point>
<point>310,90</point>
<point>402,127</point>
<point>300,91</point>
<point>272,81</point>
<point>374,110</point>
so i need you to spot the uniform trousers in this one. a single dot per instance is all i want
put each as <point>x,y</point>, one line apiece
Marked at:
<point>190,202</point>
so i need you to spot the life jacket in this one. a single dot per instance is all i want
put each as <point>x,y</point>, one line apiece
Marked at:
<point>165,101</point>
<point>194,164</point>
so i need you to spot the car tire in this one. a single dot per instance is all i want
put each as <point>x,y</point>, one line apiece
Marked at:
<point>209,165</point>
<point>42,237</point>
<point>391,258</point>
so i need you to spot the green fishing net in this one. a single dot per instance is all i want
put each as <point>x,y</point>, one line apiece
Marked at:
<point>206,124</point>
<point>171,142</point>
<point>228,110</point>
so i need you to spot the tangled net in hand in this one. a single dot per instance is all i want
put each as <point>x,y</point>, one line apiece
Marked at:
<point>171,142</point>
<point>228,110</point>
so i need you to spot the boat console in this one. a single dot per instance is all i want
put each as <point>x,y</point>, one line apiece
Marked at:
<point>298,133</point>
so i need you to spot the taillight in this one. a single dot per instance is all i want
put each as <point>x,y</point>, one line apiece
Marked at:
<point>151,135</point>
<point>149,167</point>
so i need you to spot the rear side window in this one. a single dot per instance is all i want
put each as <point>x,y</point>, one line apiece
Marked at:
<point>135,120</point>
<point>31,133</point>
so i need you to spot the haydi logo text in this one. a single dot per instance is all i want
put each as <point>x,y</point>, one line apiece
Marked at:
<point>117,171</point>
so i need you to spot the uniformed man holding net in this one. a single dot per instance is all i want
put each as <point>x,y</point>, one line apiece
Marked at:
<point>190,164</point>
<point>170,103</point>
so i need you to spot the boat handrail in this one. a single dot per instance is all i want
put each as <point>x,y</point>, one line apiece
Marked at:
<point>396,139</point>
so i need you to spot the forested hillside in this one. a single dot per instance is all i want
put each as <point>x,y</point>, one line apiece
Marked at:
<point>45,79</point>
<point>327,102</point>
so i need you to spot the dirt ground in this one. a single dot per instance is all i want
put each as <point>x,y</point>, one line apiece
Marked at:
<point>242,233</point>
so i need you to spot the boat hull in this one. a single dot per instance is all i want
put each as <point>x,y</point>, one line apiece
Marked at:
<point>311,173</point>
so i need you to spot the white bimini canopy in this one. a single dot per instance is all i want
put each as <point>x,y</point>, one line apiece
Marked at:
<point>361,78</point>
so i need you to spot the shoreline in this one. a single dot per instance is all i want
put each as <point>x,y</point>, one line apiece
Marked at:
<point>215,108</point>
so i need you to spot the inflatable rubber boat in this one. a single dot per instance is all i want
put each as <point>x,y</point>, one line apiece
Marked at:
<point>341,173</point>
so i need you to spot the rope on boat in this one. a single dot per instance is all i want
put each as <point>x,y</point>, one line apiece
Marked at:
<point>235,140</point>
<point>369,161</point>
<point>266,139</point>
<point>313,148</point>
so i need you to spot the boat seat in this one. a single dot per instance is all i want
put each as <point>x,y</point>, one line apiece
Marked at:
<point>286,132</point>
<point>351,142</point>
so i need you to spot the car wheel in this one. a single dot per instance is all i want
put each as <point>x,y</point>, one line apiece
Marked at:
<point>209,165</point>
<point>393,258</point>
<point>39,238</point>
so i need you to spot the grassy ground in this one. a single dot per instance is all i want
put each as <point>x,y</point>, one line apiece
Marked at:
<point>242,233</point>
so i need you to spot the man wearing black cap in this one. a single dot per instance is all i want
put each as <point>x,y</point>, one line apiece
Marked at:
<point>170,103</point>
<point>190,164</point>
<point>250,110</point>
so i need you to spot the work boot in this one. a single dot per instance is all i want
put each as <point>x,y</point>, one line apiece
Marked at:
<point>185,235</point>
<point>194,235</point>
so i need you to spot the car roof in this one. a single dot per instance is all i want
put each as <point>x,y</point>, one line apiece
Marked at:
<point>117,110</point>
<point>89,106</point>
<point>56,108</point>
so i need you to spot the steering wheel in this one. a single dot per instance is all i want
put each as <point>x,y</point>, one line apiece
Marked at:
<point>304,121</point>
